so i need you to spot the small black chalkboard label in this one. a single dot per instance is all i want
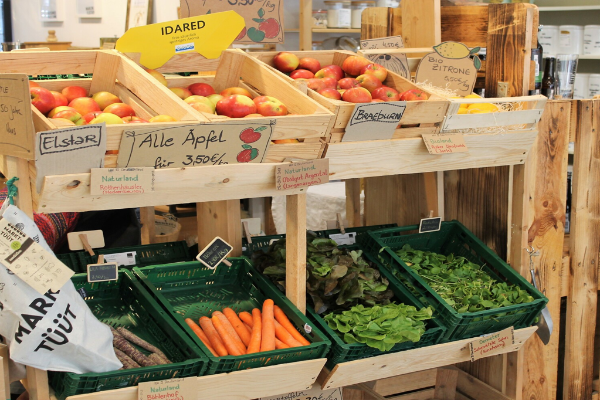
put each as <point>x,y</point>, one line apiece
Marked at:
<point>213,254</point>
<point>430,224</point>
<point>103,272</point>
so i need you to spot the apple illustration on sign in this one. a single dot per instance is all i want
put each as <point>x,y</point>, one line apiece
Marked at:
<point>267,28</point>
<point>249,135</point>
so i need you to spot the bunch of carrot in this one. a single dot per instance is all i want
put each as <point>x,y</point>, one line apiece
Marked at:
<point>228,333</point>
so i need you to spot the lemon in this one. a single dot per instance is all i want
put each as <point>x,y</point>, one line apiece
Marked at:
<point>488,107</point>
<point>462,110</point>
<point>473,96</point>
<point>452,50</point>
<point>477,111</point>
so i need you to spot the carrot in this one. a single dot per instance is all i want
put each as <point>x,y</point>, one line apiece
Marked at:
<point>282,334</point>
<point>255,338</point>
<point>249,328</point>
<point>268,327</point>
<point>280,345</point>
<point>213,336</point>
<point>238,325</point>
<point>198,331</point>
<point>232,337</point>
<point>246,317</point>
<point>285,322</point>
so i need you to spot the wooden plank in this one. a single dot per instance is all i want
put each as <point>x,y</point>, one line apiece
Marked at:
<point>220,218</point>
<point>465,24</point>
<point>182,62</point>
<point>238,385</point>
<point>585,228</point>
<point>37,384</point>
<point>421,23</point>
<point>513,385</point>
<point>477,389</point>
<point>411,361</point>
<point>148,225</point>
<point>295,288</point>
<point>4,378</point>
<point>353,202</point>
<point>406,383</point>
<point>105,72</point>
<point>375,23</point>
<point>19,167</point>
<point>306,23</point>
<point>445,384</point>
<point>48,62</point>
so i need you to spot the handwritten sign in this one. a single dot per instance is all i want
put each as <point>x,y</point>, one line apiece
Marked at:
<point>264,18</point>
<point>445,143</point>
<point>214,253</point>
<point>314,393</point>
<point>105,181</point>
<point>390,42</point>
<point>16,123</point>
<point>302,174</point>
<point>430,225</point>
<point>395,62</point>
<point>374,121</point>
<point>176,388</point>
<point>453,66</point>
<point>207,35</point>
<point>102,272</point>
<point>31,262</point>
<point>196,145</point>
<point>69,151</point>
<point>493,344</point>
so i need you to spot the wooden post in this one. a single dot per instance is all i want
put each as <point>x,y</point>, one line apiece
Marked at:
<point>585,230</point>
<point>421,23</point>
<point>20,168</point>
<point>296,250</point>
<point>148,225</point>
<point>353,202</point>
<point>445,383</point>
<point>37,384</point>
<point>306,25</point>
<point>220,218</point>
<point>4,378</point>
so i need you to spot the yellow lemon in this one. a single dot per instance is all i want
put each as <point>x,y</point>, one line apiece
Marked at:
<point>487,107</point>
<point>477,111</point>
<point>473,96</point>
<point>462,110</point>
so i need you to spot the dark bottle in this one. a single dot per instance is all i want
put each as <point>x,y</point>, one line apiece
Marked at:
<point>537,56</point>
<point>549,81</point>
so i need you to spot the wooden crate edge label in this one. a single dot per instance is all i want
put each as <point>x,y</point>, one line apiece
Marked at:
<point>374,121</point>
<point>302,174</point>
<point>115,181</point>
<point>492,344</point>
<point>445,143</point>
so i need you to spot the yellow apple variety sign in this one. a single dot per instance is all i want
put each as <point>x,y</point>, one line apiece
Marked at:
<point>207,34</point>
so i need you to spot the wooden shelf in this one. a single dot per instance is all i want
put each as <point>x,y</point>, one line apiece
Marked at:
<point>570,8</point>
<point>333,30</point>
<point>589,57</point>
<point>385,366</point>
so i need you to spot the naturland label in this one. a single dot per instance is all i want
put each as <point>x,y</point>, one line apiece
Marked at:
<point>169,389</point>
<point>374,121</point>
<point>445,144</point>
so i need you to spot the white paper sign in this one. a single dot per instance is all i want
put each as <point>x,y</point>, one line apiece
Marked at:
<point>314,393</point>
<point>344,238</point>
<point>124,259</point>
<point>374,121</point>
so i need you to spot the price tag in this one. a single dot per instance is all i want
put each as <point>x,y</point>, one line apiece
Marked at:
<point>344,238</point>
<point>177,388</point>
<point>16,124</point>
<point>430,224</point>
<point>374,121</point>
<point>313,393</point>
<point>124,259</point>
<point>107,181</point>
<point>302,174</point>
<point>102,272</point>
<point>389,42</point>
<point>94,238</point>
<point>445,143</point>
<point>215,253</point>
<point>489,345</point>
<point>31,262</point>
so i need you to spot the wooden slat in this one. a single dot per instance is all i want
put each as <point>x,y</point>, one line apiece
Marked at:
<point>48,62</point>
<point>465,121</point>
<point>406,383</point>
<point>296,250</point>
<point>148,225</point>
<point>105,72</point>
<point>353,202</point>
<point>37,384</point>
<point>303,151</point>
<point>477,389</point>
<point>19,167</point>
<point>465,24</point>
<point>375,23</point>
<point>182,62</point>
<point>4,379</point>
<point>220,218</point>
<point>445,384</point>
<point>585,229</point>
<point>421,23</point>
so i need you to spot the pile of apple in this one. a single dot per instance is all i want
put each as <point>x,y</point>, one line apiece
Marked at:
<point>73,106</point>
<point>358,80</point>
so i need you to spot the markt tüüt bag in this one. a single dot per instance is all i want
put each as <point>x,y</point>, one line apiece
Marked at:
<point>54,331</point>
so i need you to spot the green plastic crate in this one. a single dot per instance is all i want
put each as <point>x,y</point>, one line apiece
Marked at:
<point>454,238</point>
<point>126,303</point>
<point>148,254</point>
<point>190,290</point>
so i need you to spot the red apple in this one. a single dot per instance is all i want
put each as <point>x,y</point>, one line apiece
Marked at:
<point>105,99</point>
<point>236,90</point>
<point>253,116</point>
<point>33,84</point>
<point>210,105</point>
<point>377,70</point>
<point>311,64</point>
<point>162,118</point>
<point>369,82</point>
<point>72,116</point>
<point>73,92</point>
<point>413,95</point>
<point>330,83</point>
<point>108,119</point>
<point>202,107</point>
<point>269,106</point>
<point>201,89</point>
<point>331,93</point>
<point>158,76</point>
<point>236,106</point>
<point>286,62</point>
<point>59,99</point>
<point>354,64</point>
<point>386,94</point>
<point>182,93</point>
<point>302,74</point>
<point>330,71</point>
<point>347,83</point>
<point>84,105</point>
<point>316,84</point>
<point>133,120</point>
<point>120,109</point>
<point>61,122</point>
<point>59,109</point>
<point>215,98</point>
<point>41,99</point>
<point>377,101</point>
<point>357,95</point>
<point>90,116</point>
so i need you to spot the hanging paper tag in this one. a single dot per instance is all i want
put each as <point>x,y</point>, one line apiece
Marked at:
<point>445,144</point>
<point>344,238</point>
<point>495,343</point>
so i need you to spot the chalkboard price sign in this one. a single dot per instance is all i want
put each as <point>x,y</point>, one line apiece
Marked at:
<point>103,272</point>
<point>215,253</point>
<point>430,224</point>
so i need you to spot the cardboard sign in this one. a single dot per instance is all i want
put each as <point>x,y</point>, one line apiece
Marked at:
<point>69,151</point>
<point>94,238</point>
<point>102,272</point>
<point>314,393</point>
<point>430,225</point>
<point>445,143</point>
<point>208,35</point>
<point>16,123</point>
<point>122,259</point>
<point>374,121</point>
<point>395,62</point>
<point>176,388</point>
<point>302,174</point>
<point>451,67</point>
<point>493,344</point>
<point>29,261</point>
<point>390,42</point>
<point>121,181</point>
<point>264,18</point>
<point>344,238</point>
<point>213,254</point>
<point>196,145</point>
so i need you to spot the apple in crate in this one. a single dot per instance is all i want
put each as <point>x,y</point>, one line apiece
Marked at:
<point>270,106</point>
<point>353,65</point>
<point>33,84</point>
<point>331,93</point>
<point>253,116</point>
<point>330,83</point>
<point>84,105</point>
<point>59,99</point>
<point>348,83</point>
<point>236,90</point>
<point>72,116</point>
<point>286,62</point>
<point>61,122</point>
<point>376,70</point>
<point>90,116</point>
<point>414,95</point>
<point>202,107</point>
<point>41,99</point>
<point>202,100</point>
<point>215,98</point>
<point>59,109</point>
<point>201,89</point>
<point>120,109</point>
<point>73,92</point>
<point>369,82</point>
<point>316,84</point>
<point>158,76</point>
<point>105,99</point>
<point>311,64</point>
<point>385,93</point>
<point>330,71</point>
<point>302,74</point>
<point>236,106</point>
<point>133,120</point>
<point>108,119</point>
<point>162,118</point>
<point>357,95</point>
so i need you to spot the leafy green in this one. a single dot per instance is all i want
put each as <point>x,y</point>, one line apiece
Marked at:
<point>464,285</point>
<point>380,327</point>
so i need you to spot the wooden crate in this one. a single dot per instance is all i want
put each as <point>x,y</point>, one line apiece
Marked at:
<point>426,115</point>
<point>312,124</point>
